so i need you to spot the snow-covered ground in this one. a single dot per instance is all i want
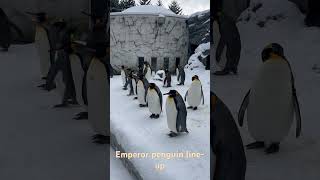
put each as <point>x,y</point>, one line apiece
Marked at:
<point>136,132</point>
<point>117,170</point>
<point>37,141</point>
<point>298,158</point>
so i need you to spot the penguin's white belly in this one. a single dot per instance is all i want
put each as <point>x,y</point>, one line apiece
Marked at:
<point>97,90</point>
<point>172,114</point>
<point>270,109</point>
<point>134,86</point>
<point>77,75</point>
<point>194,94</point>
<point>123,77</point>
<point>43,47</point>
<point>153,102</point>
<point>148,74</point>
<point>141,93</point>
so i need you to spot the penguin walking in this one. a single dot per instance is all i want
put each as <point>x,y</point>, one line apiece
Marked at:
<point>181,75</point>
<point>154,100</point>
<point>176,113</point>
<point>167,79</point>
<point>225,143</point>
<point>123,76</point>
<point>194,94</point>
<point>142,88</point>
<point>271,102</point>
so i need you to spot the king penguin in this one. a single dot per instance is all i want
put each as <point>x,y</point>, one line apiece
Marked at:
<point>154,100</point>
<point>142,87</point>
<point>176,113</point>
<point>229,156</point>
<point>194,94</point>
<point>271,102</point>
<point>123,76</point>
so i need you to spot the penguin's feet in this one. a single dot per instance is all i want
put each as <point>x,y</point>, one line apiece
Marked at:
<point>72,102</point>
<point>222,73</point>
<point>172,134</point>
<point>142,105</point>
<point>44,78</point>
<point>195,108</point>
<point>124,88</point>
<point>81,116</point>
<point>152,116</point>
<point>97,136</point>
<point>157,116</point>
<point>135,98</point>
<point>255,145</point>
<point>101,139</point>
<point>62,105</point>
<point>42,86</point>
<point>190,107</point>
<point>273,148</point>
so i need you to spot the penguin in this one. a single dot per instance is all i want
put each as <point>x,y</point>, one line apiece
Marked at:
<point>176,113</point>
<point>194,94</point>
<point>271,103</point>
<point>123,76</point>
<point>134,86</point>
<point>42,43</point>
<point>167,79</point>
<point>147,71</point>
<point>6,36</point>
<point>142,88</point>
<point>226,143</point>
<point>154,100</point>
<point>181,75</point>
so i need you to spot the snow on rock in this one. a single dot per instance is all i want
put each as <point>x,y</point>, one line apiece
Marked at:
<point>201,52</point>
<point>200,13</point>
<point>298,158</point>
<point>136,132</point>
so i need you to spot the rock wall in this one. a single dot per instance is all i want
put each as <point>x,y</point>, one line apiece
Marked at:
<point>199,28</point>
<point>133,36</point>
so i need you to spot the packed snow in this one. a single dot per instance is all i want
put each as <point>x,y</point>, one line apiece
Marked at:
<point>37,141</point>
<point>136,132</point>
<point>279,21</point>
<point>117,170</point>
<point>194,62</point>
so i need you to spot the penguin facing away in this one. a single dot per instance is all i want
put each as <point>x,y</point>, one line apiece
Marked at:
<point>154,100</point>
<point>194,94</point>
<point>181,75</point>
<point>123,76</point>
<point>271,102</point>
<point>142,88</point>
<point>176,113</point>
<point>226,143</point>
<point>167,79</point>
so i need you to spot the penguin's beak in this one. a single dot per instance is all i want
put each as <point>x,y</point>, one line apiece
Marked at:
<point>166,94</point>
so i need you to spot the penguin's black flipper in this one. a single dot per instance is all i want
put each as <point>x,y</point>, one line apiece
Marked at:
<point>160,95</point>
<point>16,28</point>
<point>243,108</point>
<point>202,96</point>
<point>298,115</point>
<point>185,96</point>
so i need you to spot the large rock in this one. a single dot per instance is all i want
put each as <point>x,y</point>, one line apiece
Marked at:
<point>199,28</point>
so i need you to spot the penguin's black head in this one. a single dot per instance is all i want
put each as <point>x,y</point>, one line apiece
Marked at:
<point>2,13</point>
<point>141,77</point>
<point>152,85</point>
<point>195,77</point>
<point>272,48</point>
<point>172,93</point>
<point>122,67</point>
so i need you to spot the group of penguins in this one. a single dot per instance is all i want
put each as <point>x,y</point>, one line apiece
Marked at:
<point>78,70</point>
<point>149,95</point>
<point>271,104</point>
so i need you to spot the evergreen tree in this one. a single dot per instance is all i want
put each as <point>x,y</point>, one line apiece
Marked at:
<point>125,4</point>
<point>114,6</point>
<point>175,7</point>
<point>159,3</point>
<point>145,2</point>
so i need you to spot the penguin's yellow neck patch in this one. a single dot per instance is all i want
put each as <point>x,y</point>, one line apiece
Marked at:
<point>274,56</point>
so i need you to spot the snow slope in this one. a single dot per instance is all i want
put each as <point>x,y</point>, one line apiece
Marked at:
<point>282,23</point>
<point>38,142</point>
<point>117,170</point>
<point>136,132</point>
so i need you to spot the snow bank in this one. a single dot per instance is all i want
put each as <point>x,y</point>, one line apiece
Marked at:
<point>199,14</point>
<point>194,61</point>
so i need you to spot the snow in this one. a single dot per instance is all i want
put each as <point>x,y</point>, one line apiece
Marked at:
<point>117,170</point>
<point>37,141</point>
<point>148,10</point>
<point>194,61</point>
<point>136,132</point>
<point>199,14</point>
<point>298,158</point>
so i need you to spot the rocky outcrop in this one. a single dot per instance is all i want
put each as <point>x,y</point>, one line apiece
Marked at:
<point>199,28</point>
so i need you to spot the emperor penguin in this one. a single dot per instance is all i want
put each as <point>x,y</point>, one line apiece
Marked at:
<point>271,102</point>
<point>229,157</point>
<point>123,76</point>
<point>176,113</point>
<point>167,79</point>
<point>181,75</point>
<point>134,85</point>
<point>147,71</point>
<point>142,87</point>
<point>42,43</point>
<point>154,100</point>
<point>194,95</point>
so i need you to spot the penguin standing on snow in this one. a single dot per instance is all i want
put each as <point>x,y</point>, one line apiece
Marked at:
<point>154,100</point>
<point>123,76</point>
<point>142,88</point>
<point>181,75</point>
<point>226,143</point>
<point>194,94</point>
<point>271,102</point>
<point>167,79</point>
<point>176,113</point>
<point>134,80</point>
<point>147,71</point>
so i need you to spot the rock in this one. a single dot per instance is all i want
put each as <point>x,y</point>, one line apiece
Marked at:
<point>199,28</point>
